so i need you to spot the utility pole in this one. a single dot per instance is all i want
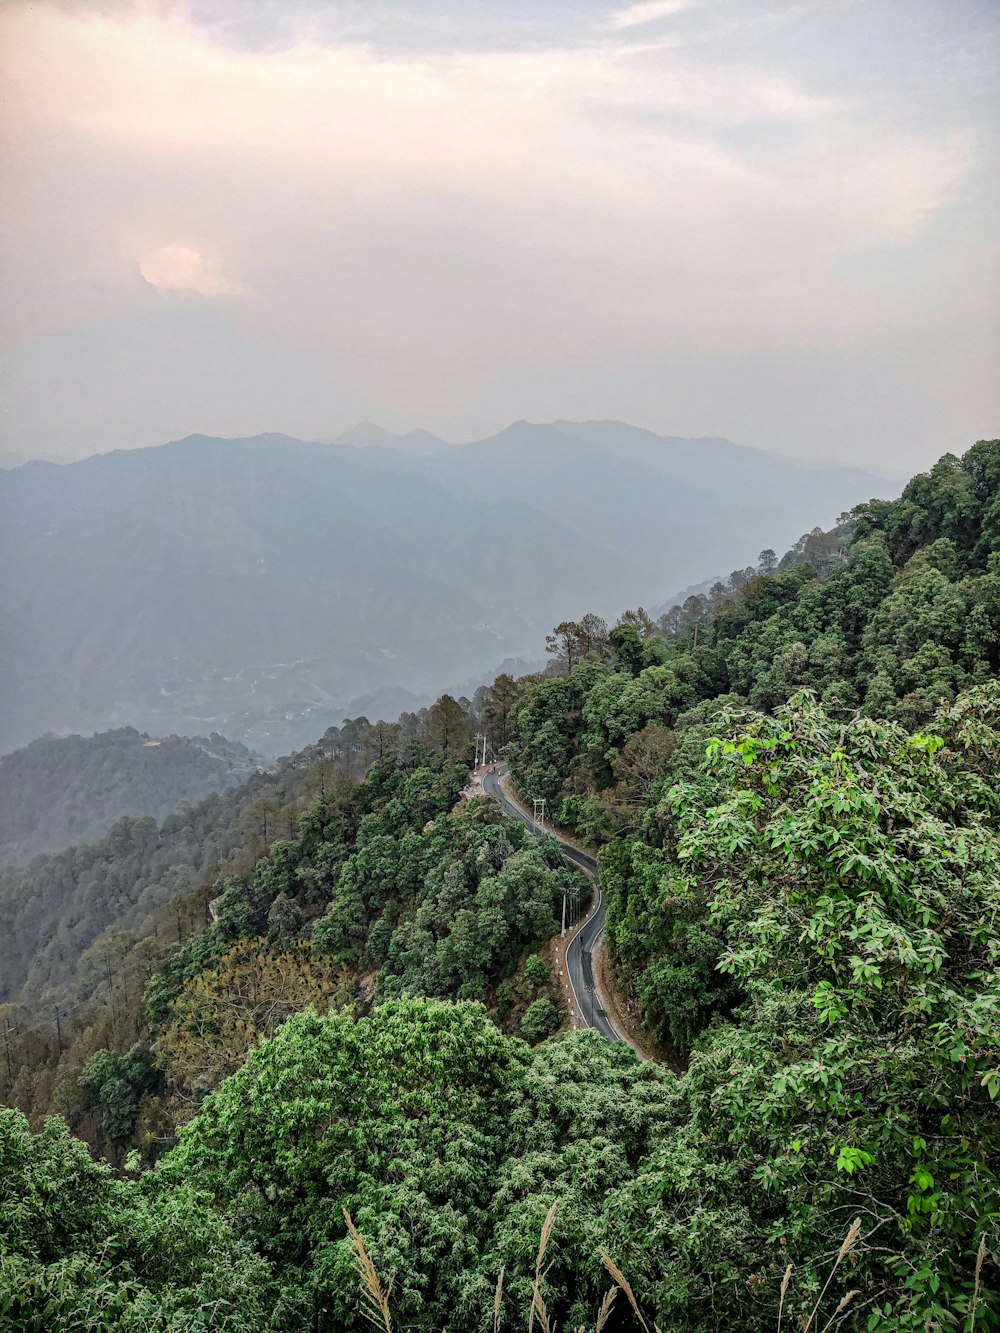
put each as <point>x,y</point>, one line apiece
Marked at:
<point>572,894</point>
<point>481,736</point>
<point>538,815</point>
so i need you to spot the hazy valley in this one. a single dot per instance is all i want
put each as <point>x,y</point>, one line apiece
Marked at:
<point>268,588</point>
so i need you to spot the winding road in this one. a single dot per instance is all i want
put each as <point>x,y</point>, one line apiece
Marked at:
<point>580,952</point>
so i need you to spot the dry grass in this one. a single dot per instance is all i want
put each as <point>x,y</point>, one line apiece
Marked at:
<point>623,1282</point>
<point>784,1292</point>
<point>537,1302</point>
<point>498,1302</point>
<point>846,1247</point>
<point>845,1301</point>
<point>980,1256</point>
<point>374,1297</point>
<point>604,1314</point>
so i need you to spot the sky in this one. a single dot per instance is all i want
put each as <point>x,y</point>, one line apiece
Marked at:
<point>771,220</point>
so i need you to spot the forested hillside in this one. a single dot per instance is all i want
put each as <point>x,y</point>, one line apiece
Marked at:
<point>907,617</point>
<point>91,926</point>
<point>60,791</point>
<point>58,908</point>
<point>792,784</point>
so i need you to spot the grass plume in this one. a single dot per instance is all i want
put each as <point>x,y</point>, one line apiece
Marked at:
<point>498,1301</point>
<point>846,1247</point>
<point>845,1301</point>
<point>980,1257</point>
<point>537,1301</point>
<point>375,1298</point>
<point>604,1314</point>
<point>784,1291</point>
<point>623,1282</point>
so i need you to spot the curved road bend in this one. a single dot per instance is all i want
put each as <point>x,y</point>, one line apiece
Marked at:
<point>580,954</point>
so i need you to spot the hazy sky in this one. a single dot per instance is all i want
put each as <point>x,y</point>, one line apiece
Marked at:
<point>774,220</point>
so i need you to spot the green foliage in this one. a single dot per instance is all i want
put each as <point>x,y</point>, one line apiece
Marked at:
<point>845,878</point>
<point>443,1139</point>
<point>82,1250</point>
<point>395,1117</point>
<point>113,1085</point>
<point>94,926</point>
<point>665,943</point>
<point>535,971</point>
<point>488,893</point>
<point>905,617</point>
<point>855,883</point>
<point>540,1020</point>
<point>448,727</point>
<point>443,904</point>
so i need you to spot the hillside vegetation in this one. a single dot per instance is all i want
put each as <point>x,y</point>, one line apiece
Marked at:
<point>792,786</point>
<point>907,619</point>
<point>60,791</point>
<point>73,917</point>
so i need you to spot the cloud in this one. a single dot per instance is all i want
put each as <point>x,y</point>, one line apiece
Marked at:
<point>181,268</point>
<point>374,158</point>
<point>452,234</point>
<point>648,11</point>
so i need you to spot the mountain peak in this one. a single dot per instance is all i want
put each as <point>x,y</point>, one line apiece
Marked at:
<point>365,433</point>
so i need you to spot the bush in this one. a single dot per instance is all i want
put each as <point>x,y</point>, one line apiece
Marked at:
<point>535,970</point>
<point>540,1020</point>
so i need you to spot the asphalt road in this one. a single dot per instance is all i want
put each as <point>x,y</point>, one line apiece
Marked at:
<point>580,954</point>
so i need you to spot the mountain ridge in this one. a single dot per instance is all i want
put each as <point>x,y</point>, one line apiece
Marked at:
<point>151,587</point>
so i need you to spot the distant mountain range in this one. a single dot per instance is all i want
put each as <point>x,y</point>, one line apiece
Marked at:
<point>266,588</point>
<point>413,442</point>
<point>8,461</point>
